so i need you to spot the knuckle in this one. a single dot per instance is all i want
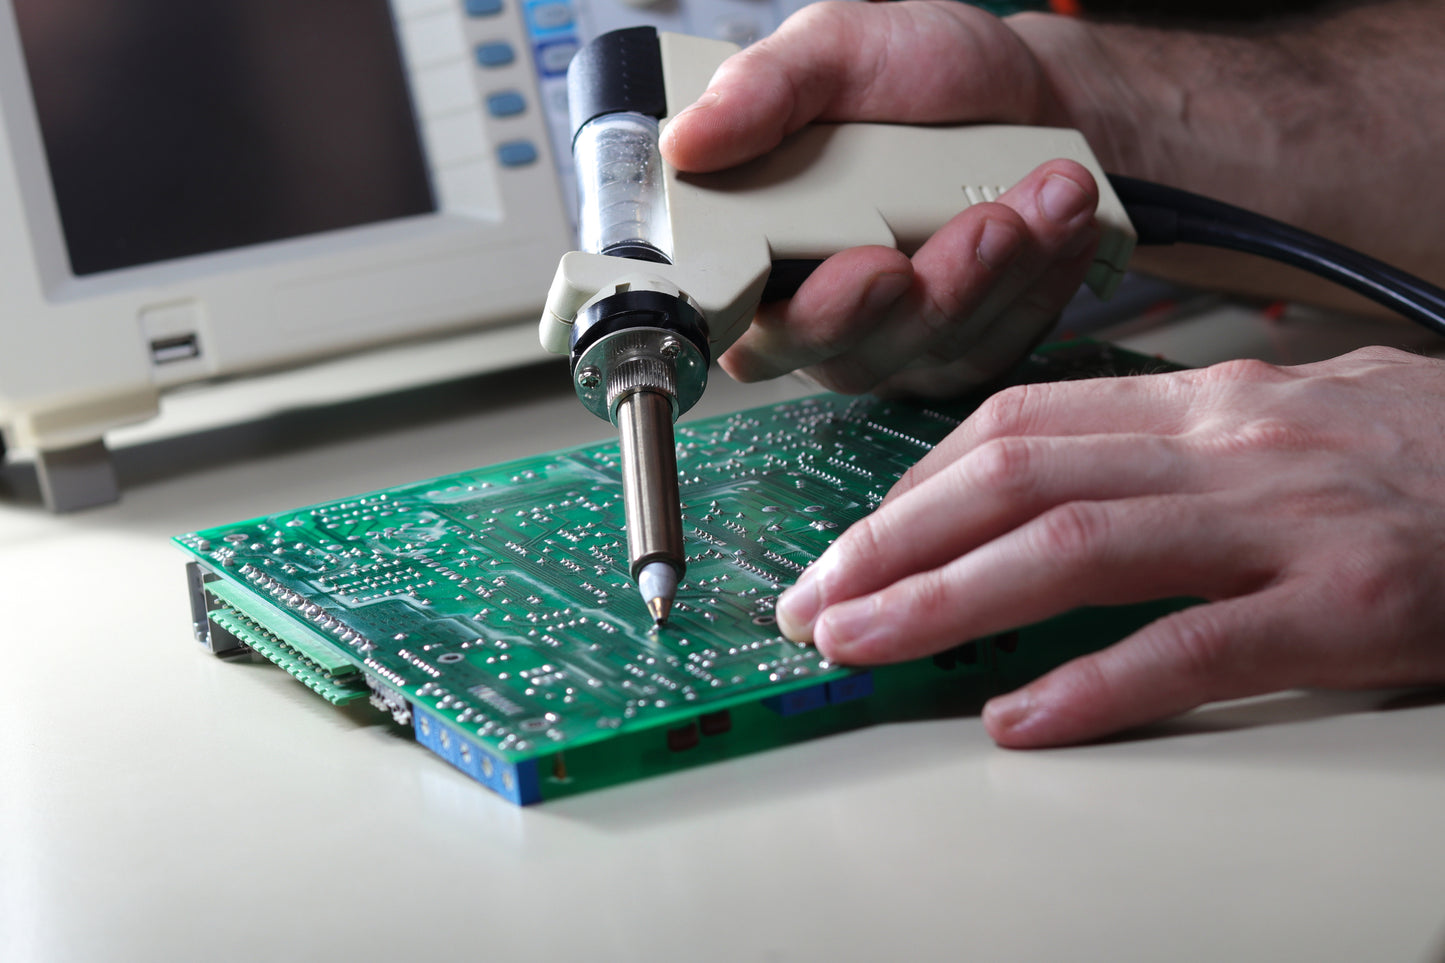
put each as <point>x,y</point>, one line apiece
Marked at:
<point>806,20</point>
<point>1241,370</point>
<point>829,10</point>
<point>1195,643</point>
<point>928,598</point>
<point>1267,434</point>
<point>1381,353</point>
<point>1073,533</point>
<point>1003,465</point>
<point>864,543</point>
<point>1008,412</point>
<point>907,482</point>
<point>1088,682</point>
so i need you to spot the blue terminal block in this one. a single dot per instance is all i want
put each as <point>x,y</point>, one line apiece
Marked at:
<point>858,686</point>
<point>515,782</point>
<point>799,700</point>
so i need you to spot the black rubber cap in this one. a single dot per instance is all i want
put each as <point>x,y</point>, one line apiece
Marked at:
<point>638,309</point>
<point>618,71</point>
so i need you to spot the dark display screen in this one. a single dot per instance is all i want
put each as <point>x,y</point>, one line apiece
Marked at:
<point>181,127</point>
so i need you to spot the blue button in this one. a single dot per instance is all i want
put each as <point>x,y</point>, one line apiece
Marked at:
<point>517,153</point>
<point>506,103</point>
<point>554,15</point>
<point>483,8</point>
<point>496,54</point>
<point>553,58</point>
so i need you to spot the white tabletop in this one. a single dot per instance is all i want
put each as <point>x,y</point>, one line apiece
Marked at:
<point>159,804</point>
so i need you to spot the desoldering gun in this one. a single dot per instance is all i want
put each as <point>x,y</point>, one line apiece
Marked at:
<point>674,265</point>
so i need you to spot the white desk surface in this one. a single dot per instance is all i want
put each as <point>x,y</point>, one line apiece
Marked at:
<point>159,804</point>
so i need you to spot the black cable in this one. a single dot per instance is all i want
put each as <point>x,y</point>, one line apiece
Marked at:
<point>1167,215</point>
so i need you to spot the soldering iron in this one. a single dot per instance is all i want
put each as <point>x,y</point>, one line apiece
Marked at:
<point>674,265</point>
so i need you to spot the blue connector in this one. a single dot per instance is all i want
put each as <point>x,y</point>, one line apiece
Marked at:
<point>515,782</point>
<point>858,686</point>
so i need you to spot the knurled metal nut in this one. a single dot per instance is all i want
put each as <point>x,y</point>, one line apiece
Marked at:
<point>642,374</point>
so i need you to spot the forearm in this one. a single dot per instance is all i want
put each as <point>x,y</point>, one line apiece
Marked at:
<point>1336,125</point>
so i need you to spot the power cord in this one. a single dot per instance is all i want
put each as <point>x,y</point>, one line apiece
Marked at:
<point>1166,215</point>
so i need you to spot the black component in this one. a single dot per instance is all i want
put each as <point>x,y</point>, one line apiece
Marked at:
<point>1006,641</point>
<point>682,738</point>
<point>196,579</point>
<point>1167,215</point>
<point>214,637</point>
<point>637,250</point>
<point>637,309</point>
<point>223,643</point>
<point>787,276</point>
<point>965,654</point>
<point>179,348</point>
<point>618,71</point>
<point>715,723</point>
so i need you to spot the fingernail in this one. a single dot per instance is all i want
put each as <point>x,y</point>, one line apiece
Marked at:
<point>998,244</point>
<point>1062,199</point>
<point>798,607</point>
<point>885,289</point>
<point>1008,712</point>
<point>849,626</point>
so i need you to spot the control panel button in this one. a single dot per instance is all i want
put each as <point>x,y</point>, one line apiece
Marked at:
<point>499,53</point>
<point>506,103</point>
<point>554,15</point>
<point>553,58</point>
<point>483,8</point>
<point>517,153</point>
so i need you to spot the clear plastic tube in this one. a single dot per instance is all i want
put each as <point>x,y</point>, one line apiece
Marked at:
<point>623,205</point>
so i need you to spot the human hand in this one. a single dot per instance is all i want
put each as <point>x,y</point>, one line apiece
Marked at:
<point>1306,505</point>
<point>981,292</point>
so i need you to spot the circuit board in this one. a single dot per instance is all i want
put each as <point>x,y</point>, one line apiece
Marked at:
<point>492,610</point>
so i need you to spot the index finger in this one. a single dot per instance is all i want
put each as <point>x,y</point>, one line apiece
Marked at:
<point>1138,404</point>
<point>899,62</point>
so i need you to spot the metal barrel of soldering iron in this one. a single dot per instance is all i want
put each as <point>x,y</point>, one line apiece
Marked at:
<point>639,356</point>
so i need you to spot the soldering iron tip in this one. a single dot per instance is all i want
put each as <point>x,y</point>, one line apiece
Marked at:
<point>658,584</point>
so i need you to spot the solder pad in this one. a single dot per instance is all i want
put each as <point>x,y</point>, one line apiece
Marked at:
<point>492,609</point>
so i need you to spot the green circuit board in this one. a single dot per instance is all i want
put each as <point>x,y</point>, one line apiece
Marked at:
<point>493,611</point>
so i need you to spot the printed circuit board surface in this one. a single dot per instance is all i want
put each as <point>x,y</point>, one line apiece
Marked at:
<point>492,610</point>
